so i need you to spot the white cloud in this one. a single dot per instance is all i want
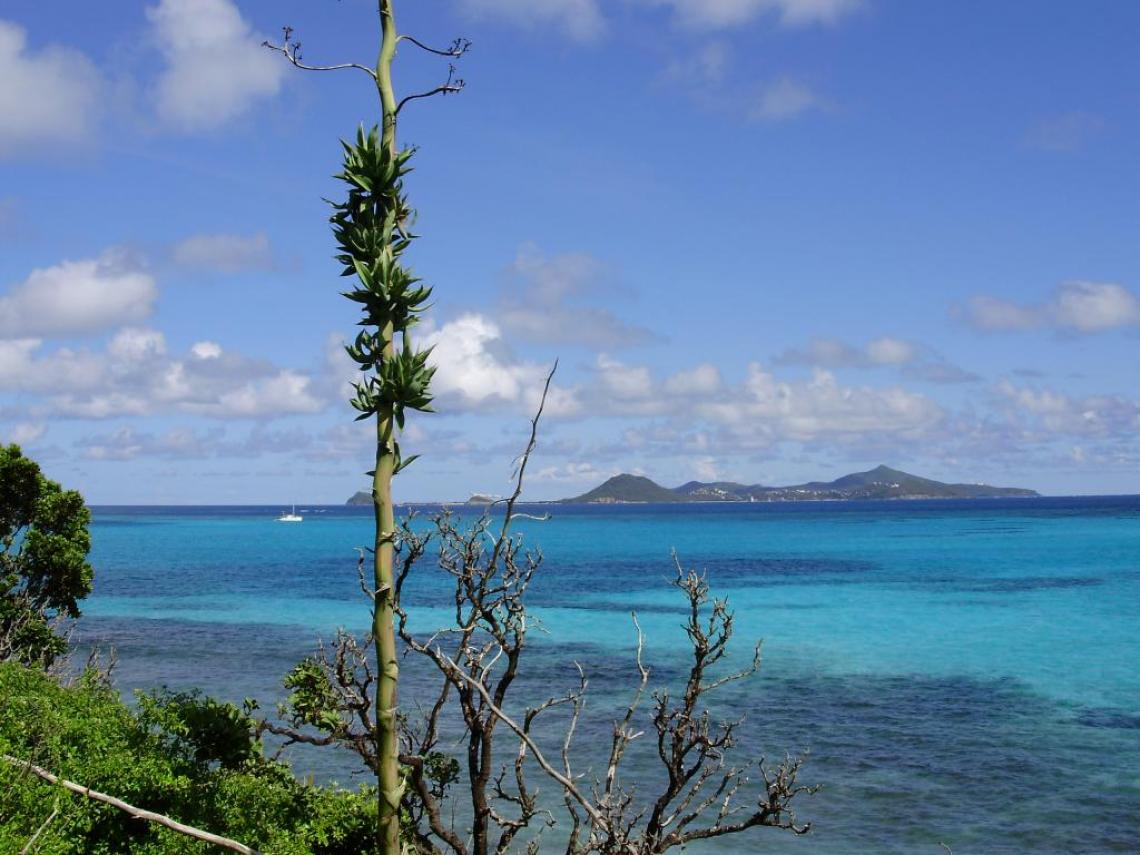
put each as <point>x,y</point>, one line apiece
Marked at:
<point>284,393</point>
<point>1076,306</point>
<point>188,443</point>
<point>573,472</point>
<point>1058,414</point>
<point>891,351</point>
<point>832,353</point>
<point>623,382</point>
<point>767,410</point>
<point>704,379</point>
<point>580,20</point>
<point>784,99</point>
<point>716,14</point>
<point>1094,306</point>
<point>474,368</point>
<point>223,253</point>
<point>23,370</point>
<point>206,350</point>
<point>77,297</point>
<point>135,376</point>
<point>216,68</point>
<point>544,303</point>
<point>48,98</point>
<point>992,313</point>
<point>136,345</point>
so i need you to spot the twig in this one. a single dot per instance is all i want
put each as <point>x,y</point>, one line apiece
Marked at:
<point>567,785</point>
<point>137,813</point>
<point>457,48</point>
<point>32,841</point>
<point>292,51</point>
<point>452,84</point>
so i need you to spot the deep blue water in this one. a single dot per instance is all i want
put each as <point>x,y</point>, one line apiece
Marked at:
<point>962,672</point>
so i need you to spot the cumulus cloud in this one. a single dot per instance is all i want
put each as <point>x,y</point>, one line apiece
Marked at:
<point>546,302</point>
<point>914,361</point>
<point>580,20</point>
<point>136,376</point>
<point>762,410</point>
<point>23,369</point>
<point>891,351</point>
<point>1076,306</point>
<point>215,69</point>
<point>78,297</point>
<point>1056,413</point>
<point>476,369</point>
<point>704,379</point>
<point>48,97</point>
<point>1094,306</point>
<point>716,14</point>
<point>991,313</point>
<point>224,253</point>
<point>206,350</point>
<point>784,99</point>
<point>820,407</point>
<point>626,383</point>
<point>192,443</point>
<point>134,345</point>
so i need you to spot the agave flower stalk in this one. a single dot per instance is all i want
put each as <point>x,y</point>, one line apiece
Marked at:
<point>371,229</point>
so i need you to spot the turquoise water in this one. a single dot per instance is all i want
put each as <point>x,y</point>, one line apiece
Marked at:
<point>960,672</point>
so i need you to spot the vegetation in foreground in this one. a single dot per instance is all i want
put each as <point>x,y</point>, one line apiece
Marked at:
<point>199,762</point>
<point>182,755</point>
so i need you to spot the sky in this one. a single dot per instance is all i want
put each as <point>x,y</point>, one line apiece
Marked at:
<point>767,241</point>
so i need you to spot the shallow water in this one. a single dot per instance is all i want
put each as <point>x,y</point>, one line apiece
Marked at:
<point>960,672</point>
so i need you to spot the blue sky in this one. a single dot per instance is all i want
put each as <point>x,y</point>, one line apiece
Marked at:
<point>769,241</point>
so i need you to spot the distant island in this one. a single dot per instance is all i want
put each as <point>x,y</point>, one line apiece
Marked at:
<point>882,482</point>
<point>363,498</point>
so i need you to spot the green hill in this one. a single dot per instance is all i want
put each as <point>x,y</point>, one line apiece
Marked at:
<point>882,482</point>
<point>628,488</point>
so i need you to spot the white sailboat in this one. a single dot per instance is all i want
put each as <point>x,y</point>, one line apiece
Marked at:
<point>292,516</point>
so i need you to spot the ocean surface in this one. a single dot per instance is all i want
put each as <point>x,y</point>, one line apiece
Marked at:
<point>962,672</point>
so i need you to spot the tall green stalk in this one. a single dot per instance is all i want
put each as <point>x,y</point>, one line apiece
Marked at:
<point>370,228</point>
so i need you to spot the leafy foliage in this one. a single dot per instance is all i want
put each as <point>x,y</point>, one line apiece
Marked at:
<point>183,755</point>
<point>43,560</point>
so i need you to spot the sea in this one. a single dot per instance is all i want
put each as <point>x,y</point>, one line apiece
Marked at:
<point>959,675</point>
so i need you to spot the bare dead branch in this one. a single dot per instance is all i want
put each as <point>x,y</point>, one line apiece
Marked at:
<point>456,49</point>
<point>291,50</point>
<point>131,810</point>
<point>452,84</point>
<point>568,785</point>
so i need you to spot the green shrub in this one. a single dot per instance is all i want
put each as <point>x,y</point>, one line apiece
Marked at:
<point>183,755</point>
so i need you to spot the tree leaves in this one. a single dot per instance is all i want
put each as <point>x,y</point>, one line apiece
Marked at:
<point>43,559</point>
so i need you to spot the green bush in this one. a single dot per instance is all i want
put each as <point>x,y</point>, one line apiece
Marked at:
<point>183,755</point>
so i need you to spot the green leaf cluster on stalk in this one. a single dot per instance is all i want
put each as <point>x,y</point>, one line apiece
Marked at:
<point>370,227</point>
